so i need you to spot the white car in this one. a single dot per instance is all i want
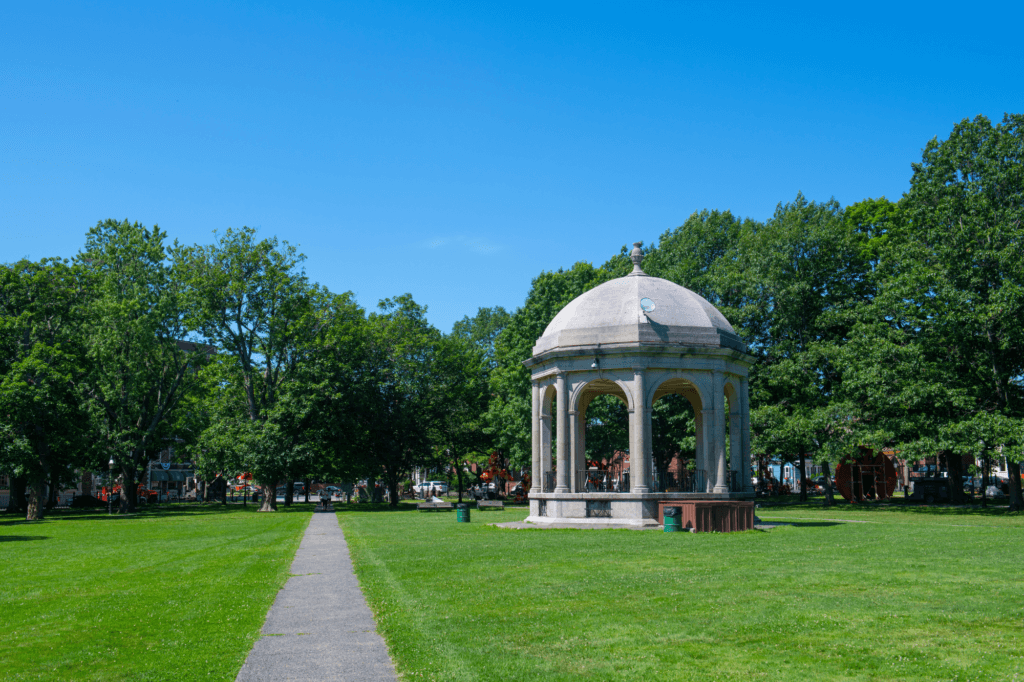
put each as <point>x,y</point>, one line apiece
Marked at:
<point>439,487</point>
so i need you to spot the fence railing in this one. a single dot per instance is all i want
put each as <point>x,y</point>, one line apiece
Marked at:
<point>599,481</point>
<point>691,482</point>
<point>684,482</point>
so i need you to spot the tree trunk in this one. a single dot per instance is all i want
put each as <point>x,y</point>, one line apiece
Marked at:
<point>289,493</point>
<point>269,493</point>
<point>37,499</point>
<point>985,464</point>
<point>306,484</point>
<point>954,468</point>
<point>458,473</point>
<point>393,491</point>
<point>54,497</point>
<point>51,493</point>
<point>16,501</point>
<point>1016,499</point>
<point>129,488</point>
<point>803,476</point>
<point>829,498</point>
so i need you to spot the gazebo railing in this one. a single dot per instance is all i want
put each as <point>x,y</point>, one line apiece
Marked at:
<point>600,481</point>
<point>672,482</point>
<point>684,482</point>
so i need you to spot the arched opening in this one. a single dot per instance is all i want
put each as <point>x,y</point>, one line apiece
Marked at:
<point>602,447</point>
<point>676,449</point>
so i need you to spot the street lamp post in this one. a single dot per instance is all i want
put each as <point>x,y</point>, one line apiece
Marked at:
<point>110,487</point>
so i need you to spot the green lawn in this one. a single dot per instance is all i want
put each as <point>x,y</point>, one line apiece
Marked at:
<point>913,595</point>
<point>178,594</point>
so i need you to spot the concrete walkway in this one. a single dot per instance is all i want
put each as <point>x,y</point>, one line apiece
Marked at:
<point>319,628</point>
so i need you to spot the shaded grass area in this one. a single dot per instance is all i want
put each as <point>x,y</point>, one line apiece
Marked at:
<point>176,594</point>
<point>906,597</point>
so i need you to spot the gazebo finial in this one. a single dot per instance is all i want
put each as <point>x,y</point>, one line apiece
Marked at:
<point>637,256</point>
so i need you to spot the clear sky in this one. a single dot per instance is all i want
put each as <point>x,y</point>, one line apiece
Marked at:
<point>454,151</point>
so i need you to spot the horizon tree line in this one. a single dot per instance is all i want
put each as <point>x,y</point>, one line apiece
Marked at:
<point>884,324</point>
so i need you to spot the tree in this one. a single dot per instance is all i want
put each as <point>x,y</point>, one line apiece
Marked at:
<point>251,299</point>
<point>508,416</point>
<point>482,331</point>
<point>140,363</point>
<point>395,391</point>
<point>327,383</point>
<point>607,428</point>
<point>953,294</point>
<point>460,395</point>
<point>792,289</point>
<point>694,254</point>
<point>44,425</point>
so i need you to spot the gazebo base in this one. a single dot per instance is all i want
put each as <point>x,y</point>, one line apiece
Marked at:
<point>701,512</point>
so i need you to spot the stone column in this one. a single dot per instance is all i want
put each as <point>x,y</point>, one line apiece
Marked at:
<point>574,449</point>
<point>535,470</point>
<point>698,448</point>
<point>718,435</point>
<point>545,438</point>
<point>562,426</point>
<point>705,436</point>
<point>639,442</point>
<point>735,437</point>
<point>748,485</point>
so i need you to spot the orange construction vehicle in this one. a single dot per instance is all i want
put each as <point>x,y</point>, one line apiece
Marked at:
<point>144,494</point>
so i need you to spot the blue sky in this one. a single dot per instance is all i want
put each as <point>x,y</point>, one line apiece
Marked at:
<point>454,151</point>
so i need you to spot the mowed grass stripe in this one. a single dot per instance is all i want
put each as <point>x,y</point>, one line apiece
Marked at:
<point>895,600</point>
<point>177,594</point>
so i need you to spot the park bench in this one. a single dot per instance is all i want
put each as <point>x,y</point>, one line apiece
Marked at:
<point>490,504</point>
<point>428,506</point>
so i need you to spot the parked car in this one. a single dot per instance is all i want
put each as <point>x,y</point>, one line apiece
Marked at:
<point>484,491</point>
<point>439,487</point>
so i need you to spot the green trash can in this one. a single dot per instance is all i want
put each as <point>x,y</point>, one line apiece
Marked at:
<point>462,513</point>
<point>673,519</point>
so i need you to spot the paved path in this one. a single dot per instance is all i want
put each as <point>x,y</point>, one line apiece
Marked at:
<point>319,628</point>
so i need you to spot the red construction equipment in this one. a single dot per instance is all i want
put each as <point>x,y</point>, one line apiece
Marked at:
<point>868,477</point>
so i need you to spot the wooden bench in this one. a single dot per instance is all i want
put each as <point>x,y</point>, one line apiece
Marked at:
<point>490,504</point>
<point>428,506</point>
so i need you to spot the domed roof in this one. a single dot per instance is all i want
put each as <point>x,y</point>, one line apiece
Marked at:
<point>610,315</point>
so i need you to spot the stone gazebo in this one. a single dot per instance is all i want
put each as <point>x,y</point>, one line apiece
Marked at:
<point>640,338</point>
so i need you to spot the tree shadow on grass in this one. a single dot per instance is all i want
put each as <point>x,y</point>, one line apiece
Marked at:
<point>894,505</point>
<point>404,506</point>
<point>928,510</point>
<point>191,511</point>
<point>810,524</point>
<point>19,538</point>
